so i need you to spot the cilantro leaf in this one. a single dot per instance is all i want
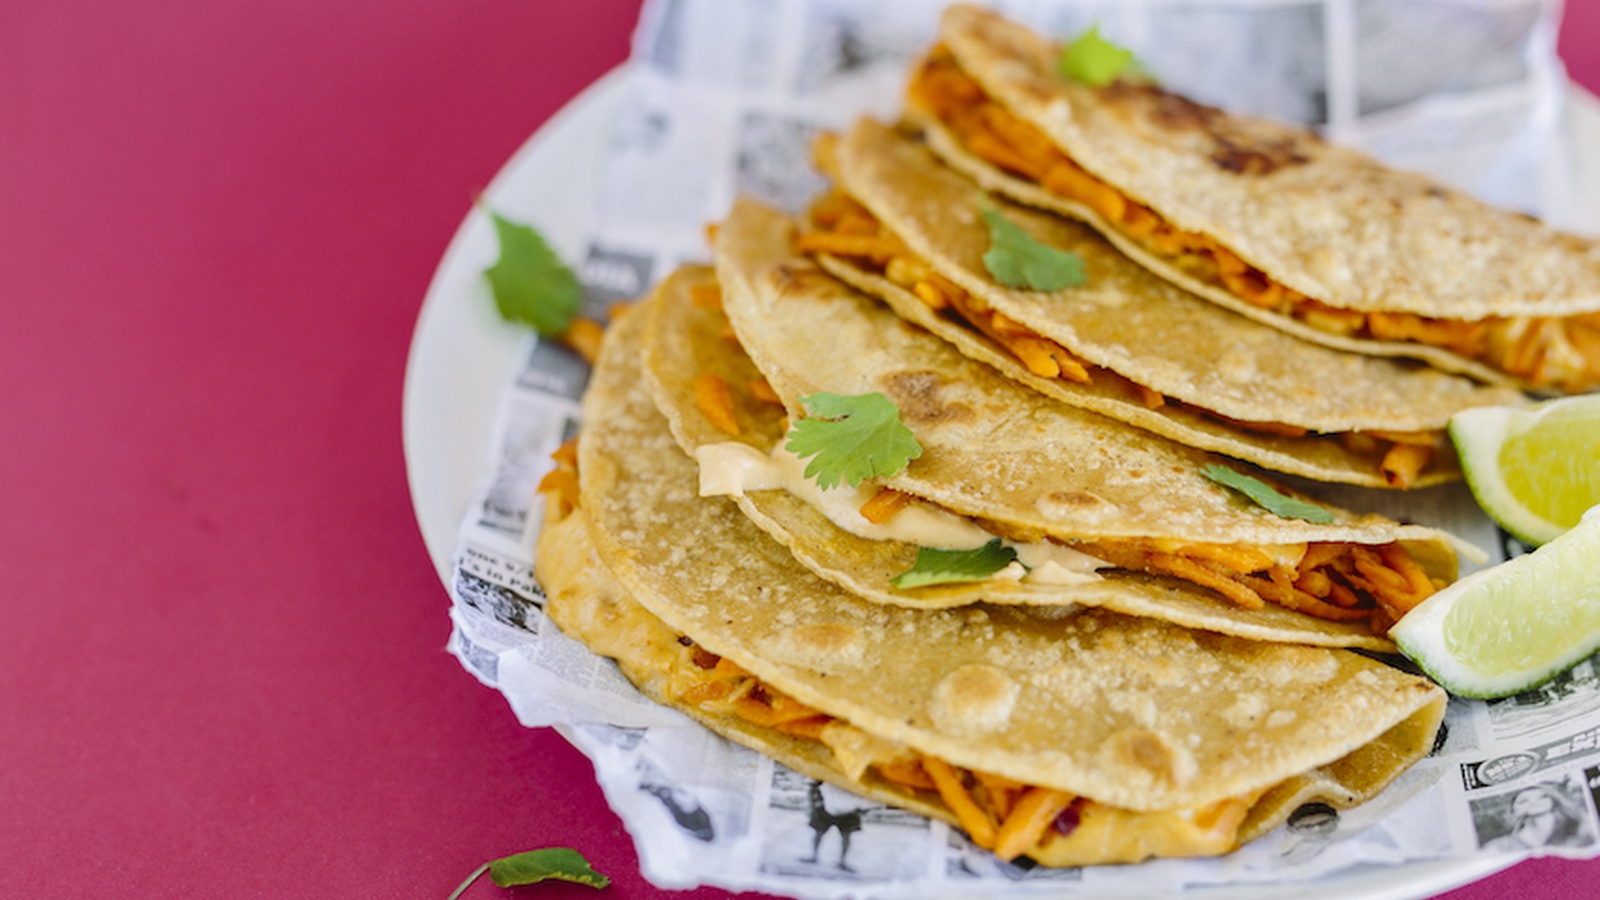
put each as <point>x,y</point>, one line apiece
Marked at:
<point>851,438</point>
<point>530,282</point>
<point>951,566</point>
<point>534,866</point>
<point>1016,259</point>
<point>1266,496</point>
<point>1092,60</point>
<point>538,865</point>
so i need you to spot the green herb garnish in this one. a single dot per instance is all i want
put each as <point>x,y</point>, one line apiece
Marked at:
<point>954,566</point>
<point>533,866</point>
<point>1092,60</point>
<point>851,439</point>
<point>530,282</point>
<point>1268,497</point>
<point>1016,259</point>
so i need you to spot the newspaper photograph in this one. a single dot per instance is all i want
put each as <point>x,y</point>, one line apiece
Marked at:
<point>724,98</point>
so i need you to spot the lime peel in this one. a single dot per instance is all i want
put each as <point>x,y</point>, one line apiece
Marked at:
<point>1514,626</point>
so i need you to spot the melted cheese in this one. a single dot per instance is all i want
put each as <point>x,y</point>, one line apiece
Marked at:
<point>732,469</point>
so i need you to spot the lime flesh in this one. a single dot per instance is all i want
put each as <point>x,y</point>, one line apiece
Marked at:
<point>1514,626</point>
<point>1553,466</point>
<point>1536,470</point>
<point>1497,630</point>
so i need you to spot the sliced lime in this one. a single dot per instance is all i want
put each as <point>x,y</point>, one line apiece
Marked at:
<point>1513,626</point>
<point>1534,470</point>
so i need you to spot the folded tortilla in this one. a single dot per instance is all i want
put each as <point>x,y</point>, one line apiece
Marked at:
<point>1080,739</point>
<point>1005,461</point>
<point>1267,219</point>
<point>1138,348</point>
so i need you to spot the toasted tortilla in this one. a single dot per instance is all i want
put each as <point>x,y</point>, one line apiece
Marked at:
<point>1131,713</point>
<point>1324,220</point>
<point>1147,331</point>
<point>683,340</point>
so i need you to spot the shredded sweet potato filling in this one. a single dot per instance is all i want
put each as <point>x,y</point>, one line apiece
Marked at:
<point>707,296</point>
<point>843,227</point>
<point>715,401</point>
<point>584,336</point>
<point>562,481</point>
<point>883,505</point>
<point>761,389</point>
<point>1545,352</point>
<point>1335,581</point>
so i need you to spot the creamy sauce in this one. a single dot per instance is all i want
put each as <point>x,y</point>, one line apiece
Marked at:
<point>732,468</point>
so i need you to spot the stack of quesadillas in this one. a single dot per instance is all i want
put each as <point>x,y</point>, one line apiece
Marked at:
<point>1023,583</point>
<point>1135,683</point>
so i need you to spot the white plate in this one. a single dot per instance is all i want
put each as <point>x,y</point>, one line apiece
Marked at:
<point>462,354</point>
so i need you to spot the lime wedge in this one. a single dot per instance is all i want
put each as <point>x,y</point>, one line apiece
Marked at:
<point>1513,626</point>
<point>1534,470</point>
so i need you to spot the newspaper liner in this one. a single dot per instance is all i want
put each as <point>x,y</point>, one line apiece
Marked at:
<point>757,79</point>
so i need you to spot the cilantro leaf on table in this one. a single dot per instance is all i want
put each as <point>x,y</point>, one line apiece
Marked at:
<point>1266,496</point>
<point>851,438</point>
<point>952,566</point>
<point>1016,259</point>
<point>1092,60</point>
<point>530,282</point>
<point>537,865</point>
<point>560,863</point>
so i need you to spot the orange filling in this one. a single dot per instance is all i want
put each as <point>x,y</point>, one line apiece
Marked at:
<point>845,228</point>
<point>1336,581</point>
<point>562,481</point>
<point>715,401</point>
<point>583,336</point>
<point>1545,352</point>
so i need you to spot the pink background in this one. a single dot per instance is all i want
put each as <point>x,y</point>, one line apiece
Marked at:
<point>222,670</point>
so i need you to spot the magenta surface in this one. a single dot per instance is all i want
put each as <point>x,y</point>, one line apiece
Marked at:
<point>223,671</point>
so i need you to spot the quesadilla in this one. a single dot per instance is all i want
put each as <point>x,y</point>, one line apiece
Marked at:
<point>1001,462</point>
<point>1084,739</point>
<point>1266,219</point>
<point>1121,341</point>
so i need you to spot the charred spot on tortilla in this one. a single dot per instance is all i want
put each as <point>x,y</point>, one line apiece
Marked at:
<point>1151,752</point>
<point>1173,112</point>
<point>1075,502</point>
<point>917,392</point>
<point>1260,159</point>
<point>1234,149</point>
<point>795,276</point>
